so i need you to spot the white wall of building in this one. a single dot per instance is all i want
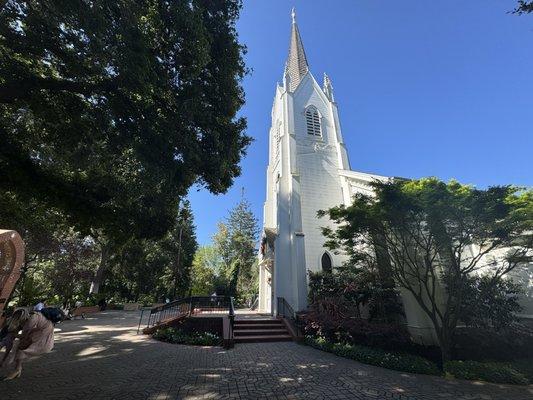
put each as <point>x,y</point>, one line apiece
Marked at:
<point>307,173</point>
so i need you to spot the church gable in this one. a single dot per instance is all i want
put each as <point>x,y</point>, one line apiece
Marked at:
<point>309,97</point>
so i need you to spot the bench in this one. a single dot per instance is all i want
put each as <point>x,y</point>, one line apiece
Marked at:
<point>132,306</point>
<point>84,310</point>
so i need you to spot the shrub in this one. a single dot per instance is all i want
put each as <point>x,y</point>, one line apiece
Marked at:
<point>384,335</point>
<point>381,358</point>
<point>525,367</point>
<point>173,335</point>
<point>490,303</point>
<point>508,344</point>
<point>354,291</point>
<point>485,371</point>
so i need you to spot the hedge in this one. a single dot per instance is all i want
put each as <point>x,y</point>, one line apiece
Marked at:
<point>381,358</point>
<point>173,335</point>
<point>486,371</point>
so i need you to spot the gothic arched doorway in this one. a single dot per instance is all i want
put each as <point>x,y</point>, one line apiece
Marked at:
<point>326,263</point>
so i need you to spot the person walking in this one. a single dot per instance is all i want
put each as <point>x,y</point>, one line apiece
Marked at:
<point>37,338</point>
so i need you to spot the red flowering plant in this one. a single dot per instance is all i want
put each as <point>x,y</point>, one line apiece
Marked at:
<point>351,306</point>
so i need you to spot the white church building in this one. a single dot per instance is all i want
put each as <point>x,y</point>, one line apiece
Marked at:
<point>309,170</point>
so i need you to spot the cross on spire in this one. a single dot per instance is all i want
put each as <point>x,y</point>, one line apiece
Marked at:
<point>297,65</point>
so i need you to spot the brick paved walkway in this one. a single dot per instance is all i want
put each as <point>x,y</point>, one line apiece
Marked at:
<point>103,358</point>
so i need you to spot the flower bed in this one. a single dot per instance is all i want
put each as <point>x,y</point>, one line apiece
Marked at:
<point>517,373</point>
<point>486,371</point>
<point>173,335</point>
<point>381,358</point>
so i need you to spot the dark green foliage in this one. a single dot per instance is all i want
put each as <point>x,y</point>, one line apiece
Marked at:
<point>150,270</point>
<point>486,343</point>
<point>432,237</point>
<point>346,329</point>
<point>525,367</point>
<point>60,275</point>
<point>488,304</point>
<point>381,358</point>
<point>524,7</point>
<point>235,242</point>
<point>173,335</point>
<point>347,290</point>
<point>111,110</point>
<point>61,268</point>
<point>205,273</point>
<point>486,371</point>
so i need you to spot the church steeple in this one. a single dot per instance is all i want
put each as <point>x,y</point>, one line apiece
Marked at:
<point>297,66</point>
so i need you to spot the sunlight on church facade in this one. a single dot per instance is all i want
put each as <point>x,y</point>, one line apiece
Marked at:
<point>309,170</point>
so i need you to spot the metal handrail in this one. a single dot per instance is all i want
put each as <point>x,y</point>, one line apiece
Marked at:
<point>254,304</point>
<point>285,309</point>
<point>188,306</point>
<point>231,308</point>
<point>231,316</point>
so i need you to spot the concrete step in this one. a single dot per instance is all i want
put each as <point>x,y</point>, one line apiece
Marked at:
<point>260,339</point>
<point>258,326</point>
<point>258,321</point>
<point>259,332</point>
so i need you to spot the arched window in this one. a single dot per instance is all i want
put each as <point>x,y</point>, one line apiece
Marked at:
<point>326,263</point>
<point>312,118</point>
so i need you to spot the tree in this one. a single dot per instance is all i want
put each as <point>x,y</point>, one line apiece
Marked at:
<point>524,7</point>
<point>39,227</point>
<point>152,269</point>
<point>205,271</point>
<point>70,270</point>
<point>111,110</point>
<point>134,271</point>
<point>235,242</point>
<point>436,237</point>
<point>181,245</point>
<point>489,304</point>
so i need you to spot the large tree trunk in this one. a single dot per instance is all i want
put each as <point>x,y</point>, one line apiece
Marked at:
<point>445,343</point>
<point>99,275</point>
<point>383,259</point>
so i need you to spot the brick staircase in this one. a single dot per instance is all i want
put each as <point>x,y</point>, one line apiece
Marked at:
<point>260,330</point>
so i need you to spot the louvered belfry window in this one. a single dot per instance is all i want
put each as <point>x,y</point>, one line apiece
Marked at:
<point>277,139</point>
<point>313,121</point>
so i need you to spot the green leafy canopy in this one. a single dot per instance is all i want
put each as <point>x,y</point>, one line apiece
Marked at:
<point>111,110</point>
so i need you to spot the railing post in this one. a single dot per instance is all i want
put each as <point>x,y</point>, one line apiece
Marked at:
<point>140,320</point>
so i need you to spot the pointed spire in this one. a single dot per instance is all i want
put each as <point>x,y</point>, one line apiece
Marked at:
<point>297,65</point>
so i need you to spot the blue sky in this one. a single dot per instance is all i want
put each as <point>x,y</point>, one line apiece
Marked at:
<point>424,88</point>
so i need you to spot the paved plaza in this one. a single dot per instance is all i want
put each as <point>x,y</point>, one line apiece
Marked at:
<point>103,358</point>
